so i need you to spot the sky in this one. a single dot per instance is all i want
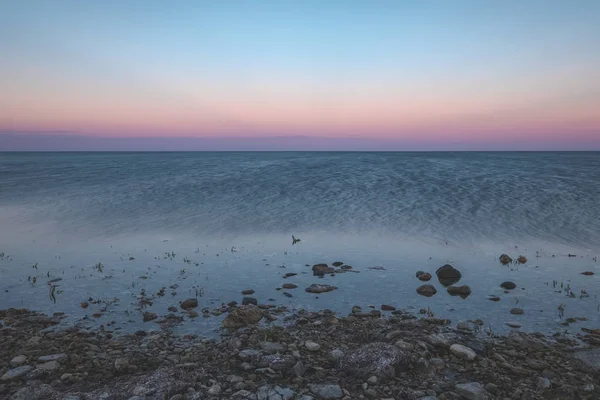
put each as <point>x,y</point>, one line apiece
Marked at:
<point>424,74</point>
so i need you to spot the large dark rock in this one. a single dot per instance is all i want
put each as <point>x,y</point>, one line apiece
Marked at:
<point>448,275</point>
<point>374,359</point>
<point>427,290</point>
<point>508,285</point>
<point>249,300</point>
<point>322,269</point>
<point>242,316</point>
<point>463,291</point>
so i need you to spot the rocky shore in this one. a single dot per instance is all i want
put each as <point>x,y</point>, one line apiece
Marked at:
<point>313,355</point>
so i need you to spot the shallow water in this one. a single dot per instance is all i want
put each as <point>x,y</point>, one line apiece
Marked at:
<point>234,213</point>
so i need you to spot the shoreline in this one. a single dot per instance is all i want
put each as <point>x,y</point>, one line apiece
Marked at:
<point>315,355</point>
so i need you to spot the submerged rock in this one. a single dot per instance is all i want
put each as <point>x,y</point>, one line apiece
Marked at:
<point>508,285</point>
<point>522,259</point>
<point>337,264</point>
<point>426,290</point>
<point>425,276</point>
<point>517,311</point>
<point>249,300</point>
<point>322,269</point>
<point>448,275</point>
<point>385,307</point>
<point>289,286</point>
<point>149,316</point>
<point>374,359</point>
<point>505,259</point>
<point>316,288</point>
<point>463,291</point>
<point>247,292</point>
<point>242,316</point>
<point>189,303</point>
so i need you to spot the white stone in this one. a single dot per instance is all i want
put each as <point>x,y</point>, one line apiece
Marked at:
<point>18,361</point>
<point>463,352</point>
<point>312,346</point>
<point>61,358</point>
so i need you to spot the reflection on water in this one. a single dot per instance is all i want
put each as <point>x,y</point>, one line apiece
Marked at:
<point>112,278</point>
<point>108,236</point>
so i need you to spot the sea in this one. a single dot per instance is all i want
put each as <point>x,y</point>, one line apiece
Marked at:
<point>110,228</point>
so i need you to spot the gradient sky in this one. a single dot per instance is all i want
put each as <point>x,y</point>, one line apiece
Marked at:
<point>442,71</point>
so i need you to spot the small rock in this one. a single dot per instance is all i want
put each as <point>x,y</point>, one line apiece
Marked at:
<point>18,361</point>
<point>377,358</point>
<point>543,383</point>
<point>426,290</point>
<point>49,366</point>
<point>587,273</point>
<point>61,358</point>
<point>372,380</point>
<point>517,311</point>
<point>508,285</point>
<point>493,298</point>
<point>335,355</point>
<point>472,391</point>
<point>16,373</point>
<point>327,391</point>
<point>424,276</point>
<point>386,307</point>
<point>214,389</point>
<point>121,364</point>
<point>289,286</point>
<point>316,288</point>
<point>149,316</point>
<point>463,352</point>
<point>249,300</point>
<point>189,303</point>
<point>322,269</point>
<point>505,259</point>
<point>522,259</point>
<point>462,291</point>
<point>298,369</point>
<point>312,346</point>
<point>247,292</point>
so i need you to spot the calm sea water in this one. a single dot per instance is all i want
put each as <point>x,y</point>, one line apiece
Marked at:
<point>233,214</point>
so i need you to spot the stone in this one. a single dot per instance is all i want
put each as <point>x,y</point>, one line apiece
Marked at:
<point>522,259</point>
<point>337,264</point>
<point>419,273</point>
<point>386,307</point>
<point>426,290</point>
<point>49,366</point>
<point>322,269</point>
<point>214,389</point>
<point>543,383</point>
<point>505,259</point>
<point>189,303</point>
<point>249,300</point>
<point>515,325</point>
<point>327,391</point>
<point>312,346</point>
<point>493,298</point>
<point>448,275</point>
<point>463,352</point>
<point>277,362</point>
<point>289,286</point>
<point>18,361</point>
<point>316,288</point>
<point>587,273</point>
<point>472,391</point>
<point>517,311</point>
<point>372,380</point>
<point>508,285</point>
<point>121,364</point>
<point>247,292</point>
<point>61,358</point>
<point>378,358</point>
<point>335,355</point>
<point>149,316</point>
<point>298,369</point>
<point>177,397</point>
<point>439,340</point>
<point>248,354</point>
<point>17,373</point>
<point>426,276</point>
<point>242,316</point>
<point>463,291</point>
<point>271,347</point>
